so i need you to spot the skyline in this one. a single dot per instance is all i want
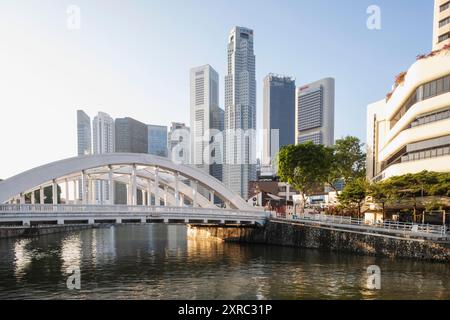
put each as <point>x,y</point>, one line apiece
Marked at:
<point>57,71</point>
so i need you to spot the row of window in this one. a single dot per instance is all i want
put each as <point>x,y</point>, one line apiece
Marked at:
<point>426,154</point>
<point>423,92</point>
<point>444,22</point>
<point>441,115</point>
<point>445,6</point>
<point>444,37</point>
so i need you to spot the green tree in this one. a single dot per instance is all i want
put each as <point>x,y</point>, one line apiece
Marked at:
<point>413,187</point>
<point>348,161</point>
<point>382,193</point>
<point>304,166</point>
<point>354,194</point>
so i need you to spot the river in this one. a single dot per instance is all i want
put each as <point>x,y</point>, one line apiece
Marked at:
<point>159,262</point>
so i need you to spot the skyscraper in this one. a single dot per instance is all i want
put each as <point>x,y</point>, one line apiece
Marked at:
<point>240,112</point>
<point>84,137</point>
<point>103,138</point>
<point>314,113</point>
<point>178,142</point>
<point>441,30</point>
<point>206,119</point>
<point>83,133</point>
<point>279,114</point>
<point>157,140</point>
<point>131,136</point>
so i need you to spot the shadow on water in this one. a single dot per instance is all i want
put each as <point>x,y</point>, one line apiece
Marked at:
<point>159,262</point>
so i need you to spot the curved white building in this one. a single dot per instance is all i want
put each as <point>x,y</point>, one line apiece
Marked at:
<point>410,131</point>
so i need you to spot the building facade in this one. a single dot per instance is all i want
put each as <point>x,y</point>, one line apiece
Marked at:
<point>409,130</point>
<point>441,29</point>
<point>179,143</point>
<point>84,139</point>
<point>278,115</point>
<point>157,140</point>
<point>103,142</point>
<point>206,120</point>
<point>84,133</point>
<point>240,112</point>
<point>314,112</point>
<point>131,136</point>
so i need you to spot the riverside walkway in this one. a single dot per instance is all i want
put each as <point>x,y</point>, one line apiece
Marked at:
<point>387,228</point>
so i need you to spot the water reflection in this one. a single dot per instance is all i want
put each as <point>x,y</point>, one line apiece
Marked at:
<point>159,262</point>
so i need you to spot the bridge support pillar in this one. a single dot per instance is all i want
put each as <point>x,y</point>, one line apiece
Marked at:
<point>55,192</point>
<point>157,201</point>
<point>26,223</point>
<point>143,220</point>
<point>91,221</point>
<point>111,186</point>
<point>133,186</point>
<point>166,191</point>
<point>195,189</point>
<point>166,220</point>
<point>177,193</point>
<point>118,220</point>
<point>41,195</point>
<point>33,198</point>
<point>60,221</point>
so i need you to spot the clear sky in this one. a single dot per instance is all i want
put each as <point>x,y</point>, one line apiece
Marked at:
<point>132,58</point>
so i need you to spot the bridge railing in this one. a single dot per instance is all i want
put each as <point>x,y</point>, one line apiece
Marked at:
<point>389,226</point>
<point>60,208</point>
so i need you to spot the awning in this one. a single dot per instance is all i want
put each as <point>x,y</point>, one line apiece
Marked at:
<point>274,197</point>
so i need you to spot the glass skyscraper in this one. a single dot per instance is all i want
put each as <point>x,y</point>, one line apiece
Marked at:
<point>278,115</point>
<point>157,140</point>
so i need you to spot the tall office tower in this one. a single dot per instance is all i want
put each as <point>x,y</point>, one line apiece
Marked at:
<point>314,113</point>
<point>84,139</point>
<point>240,112</point>
<point>441,30</point>
<point>131,136</point>
<point>103,138</point>
<point>278,115</point>
<point>157,140</point>
<point>206,119</point>
<point>178,142</point>
<point>83,133</point>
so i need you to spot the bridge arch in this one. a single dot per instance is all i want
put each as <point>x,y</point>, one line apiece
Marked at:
<point>168,182</point>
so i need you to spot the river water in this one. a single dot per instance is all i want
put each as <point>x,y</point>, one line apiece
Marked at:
<point>159,262</point>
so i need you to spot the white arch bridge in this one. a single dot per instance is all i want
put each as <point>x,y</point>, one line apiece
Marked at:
<point>152,189</point>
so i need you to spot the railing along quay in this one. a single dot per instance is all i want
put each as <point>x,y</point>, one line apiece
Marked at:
<point>350,223</point>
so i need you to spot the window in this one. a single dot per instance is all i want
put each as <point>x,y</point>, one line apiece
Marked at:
<point>445,6</point>
<point>444,37</point>
<point>444,22</point>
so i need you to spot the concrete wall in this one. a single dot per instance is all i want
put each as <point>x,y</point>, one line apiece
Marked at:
<point>38,231</point>
<point>327,239</point>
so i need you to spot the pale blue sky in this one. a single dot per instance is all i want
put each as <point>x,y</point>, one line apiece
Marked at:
<point>132,58</point>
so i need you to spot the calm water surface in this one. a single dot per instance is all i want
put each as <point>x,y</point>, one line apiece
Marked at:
<point>159,262</point>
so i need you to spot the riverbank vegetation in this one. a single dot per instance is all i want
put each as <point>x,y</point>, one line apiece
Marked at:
<point>309,168</point>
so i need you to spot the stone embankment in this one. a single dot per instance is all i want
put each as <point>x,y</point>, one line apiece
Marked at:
<point>329,239</point>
